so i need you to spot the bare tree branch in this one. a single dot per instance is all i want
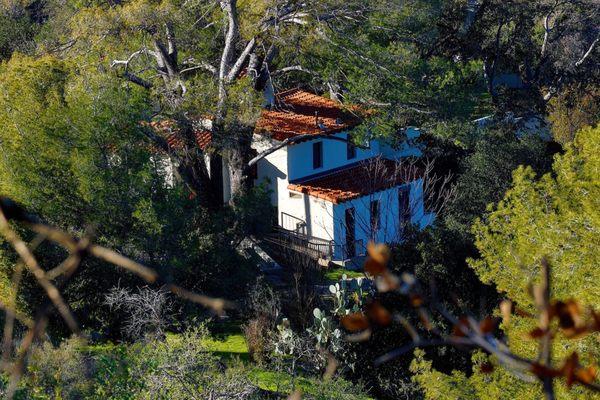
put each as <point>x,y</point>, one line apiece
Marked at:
<point>589,51</point>
<point>292,68</point>
<point>235,69</point>
<point>31,263</point>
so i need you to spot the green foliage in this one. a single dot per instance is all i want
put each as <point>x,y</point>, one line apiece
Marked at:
<point>486,172</point>
<point>335,274</point>
<point>573,109</point>
<point>483,160</point>
<point>58,372</point>
<point>228,347</point>
<point>554,216</point>
<point>15,35</point>
<point>181,366</point>
<point>74,153</point>
<point>311,388</point>
<point>458,385</point>
<point>63,131</point>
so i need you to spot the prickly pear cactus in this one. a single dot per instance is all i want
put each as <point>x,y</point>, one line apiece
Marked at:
<point>325,331</point>
<point>286,340</point>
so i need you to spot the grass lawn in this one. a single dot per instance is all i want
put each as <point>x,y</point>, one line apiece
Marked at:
<point>281,382</point>
<point>227,341</point>
<point>335,274</point>
<point>228,346</point>
<point>275,381</point>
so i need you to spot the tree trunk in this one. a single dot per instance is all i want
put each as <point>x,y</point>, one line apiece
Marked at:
<point>237,158</point>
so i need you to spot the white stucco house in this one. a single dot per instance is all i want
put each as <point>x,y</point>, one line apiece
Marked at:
<point>335,196</point>
<point>330,195</point>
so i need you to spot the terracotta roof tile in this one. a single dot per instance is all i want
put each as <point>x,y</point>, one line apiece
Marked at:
<point>357,180</point>
<point>297,112</point>
<point>167,128</point>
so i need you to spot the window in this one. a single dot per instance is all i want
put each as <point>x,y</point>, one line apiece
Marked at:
<point>374,217</point>
<point>317,155</point>
<point>350,148</point>
<point>404,205</point>
<point>350,234</point>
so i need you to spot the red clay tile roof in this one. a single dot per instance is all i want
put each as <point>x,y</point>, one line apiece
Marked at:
<point>357,180</point>
<point>297,112</point>
<point>167,128</point>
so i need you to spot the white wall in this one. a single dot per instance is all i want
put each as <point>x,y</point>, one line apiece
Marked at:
<point>316,213</point>
<point>300,161</point>
<point>390,227</point>
<point>388,206</point>
<point>272,169</point>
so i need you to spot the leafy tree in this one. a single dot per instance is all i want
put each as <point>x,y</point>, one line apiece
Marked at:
<point>485,173</point>
<point>529,50</point>
<point>74,153</point>
<point>15,34</point>
<point>62,140</point>
<point>553,216</point>
<point>572,110</point>
<point>18,26</point>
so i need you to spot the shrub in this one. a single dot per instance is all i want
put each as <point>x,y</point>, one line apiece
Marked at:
<point>63,372</point>
<point>257,333</point>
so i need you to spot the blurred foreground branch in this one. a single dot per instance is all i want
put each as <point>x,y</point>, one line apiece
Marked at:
<point>469,332</point>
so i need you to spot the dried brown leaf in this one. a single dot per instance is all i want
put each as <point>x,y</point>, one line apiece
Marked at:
<point>488,324</point>
<point>537,333</point>
<point>416,300</point>
<point>355,322</point>
<point>461,328</point>
<point>374,268</point>
<point>569,369</point>
<point>586,375</point>
<point>378,314</point>
<point>568,314</point>
<point>379,252</point>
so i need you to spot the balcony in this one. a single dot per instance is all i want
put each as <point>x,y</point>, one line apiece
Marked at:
<point>292,234</point>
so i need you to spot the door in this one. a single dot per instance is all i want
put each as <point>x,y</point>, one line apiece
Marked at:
<point>350,233</point>
<point>404,206</point>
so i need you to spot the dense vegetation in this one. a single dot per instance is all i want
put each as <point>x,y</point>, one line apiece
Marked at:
<point>506,95</point>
